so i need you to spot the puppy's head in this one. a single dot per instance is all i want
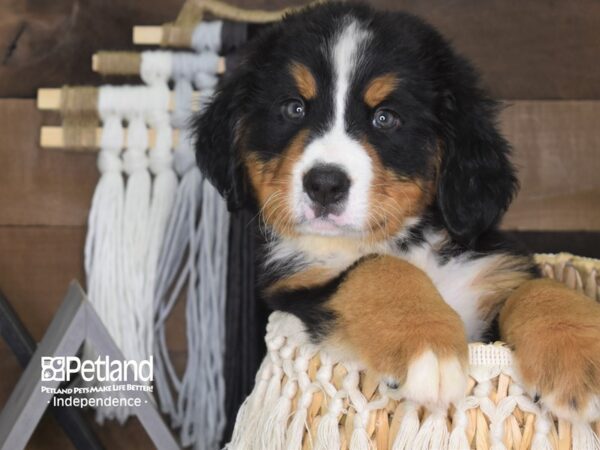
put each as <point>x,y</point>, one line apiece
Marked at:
<point>345,121</point>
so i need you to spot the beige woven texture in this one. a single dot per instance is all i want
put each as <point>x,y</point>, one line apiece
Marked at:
<point>305,398</point>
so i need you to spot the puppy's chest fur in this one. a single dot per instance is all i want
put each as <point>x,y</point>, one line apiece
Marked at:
<point>475,285</point>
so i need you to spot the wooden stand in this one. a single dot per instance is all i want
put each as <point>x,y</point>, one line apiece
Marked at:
<point>75,322</point>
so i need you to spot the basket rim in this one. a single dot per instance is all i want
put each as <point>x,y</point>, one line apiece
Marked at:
<point>565,257</point>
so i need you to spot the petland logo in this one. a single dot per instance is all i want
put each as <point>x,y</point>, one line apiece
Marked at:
<point>63,368</point>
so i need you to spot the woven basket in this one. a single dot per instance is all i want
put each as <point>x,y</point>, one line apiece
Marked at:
<point>304,398</point>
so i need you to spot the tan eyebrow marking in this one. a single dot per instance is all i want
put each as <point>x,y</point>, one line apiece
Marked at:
<point>305,81</point>
<point>379,88</point>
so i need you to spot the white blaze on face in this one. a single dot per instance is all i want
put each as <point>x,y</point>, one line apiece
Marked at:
<point>337,147</point>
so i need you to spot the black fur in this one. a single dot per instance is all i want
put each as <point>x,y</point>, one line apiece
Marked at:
<point>309,304</point>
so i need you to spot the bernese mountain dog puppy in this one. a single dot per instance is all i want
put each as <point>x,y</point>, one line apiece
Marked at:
<point>372,155</point>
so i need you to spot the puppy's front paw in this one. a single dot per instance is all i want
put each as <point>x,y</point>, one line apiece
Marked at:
<point>555,335</point>
<point>427,365</point>
<point>392,317</point>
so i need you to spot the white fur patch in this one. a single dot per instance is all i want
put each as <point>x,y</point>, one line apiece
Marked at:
<point>455,280</point>
<point>337,147</point>
<point>431,381</point>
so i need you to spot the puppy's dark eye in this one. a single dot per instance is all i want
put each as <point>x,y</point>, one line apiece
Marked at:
<point>385,119</point>
<point>293,110</point>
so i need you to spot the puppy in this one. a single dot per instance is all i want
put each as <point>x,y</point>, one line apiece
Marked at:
<point>372,155</point>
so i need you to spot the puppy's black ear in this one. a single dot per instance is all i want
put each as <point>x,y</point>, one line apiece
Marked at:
<point>477,180</point>
<point>216,131</point>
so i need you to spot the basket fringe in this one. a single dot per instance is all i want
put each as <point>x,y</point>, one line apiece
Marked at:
<point>433,434</point>
<point>409,427</point>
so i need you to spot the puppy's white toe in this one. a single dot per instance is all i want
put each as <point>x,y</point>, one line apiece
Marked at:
<point>434,381</point>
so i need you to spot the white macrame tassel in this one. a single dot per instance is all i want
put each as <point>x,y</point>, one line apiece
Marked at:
<point>458,436</point>
<point>541,439</point>
<point>409,427</point>
<point>135,230</point>
<point>164,188</point>
<point>584,437</point>
<point>360,440</point>
<point>175,267</point>
<point>328,431</point>
<point>433,434</point>
<point>273,434</point>
<point>103,240</point>
<point>298,426</point>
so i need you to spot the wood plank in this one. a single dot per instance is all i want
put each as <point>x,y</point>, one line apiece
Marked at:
<point>51,43</point>
<point>36,266</point>
<point>525,50</point>
<point>557,151</point>
<point>40,187</point>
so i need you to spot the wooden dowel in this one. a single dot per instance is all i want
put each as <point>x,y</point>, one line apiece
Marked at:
<point>129,63</point>
<point>51,99</point>
<point>147,35</point>
<point>53,137</point>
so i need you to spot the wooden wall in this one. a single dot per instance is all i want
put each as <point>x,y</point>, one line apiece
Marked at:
<point>541,56</point>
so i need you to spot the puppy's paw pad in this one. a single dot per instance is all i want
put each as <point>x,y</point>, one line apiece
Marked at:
<point>434,381</point>
<point>391,382</point>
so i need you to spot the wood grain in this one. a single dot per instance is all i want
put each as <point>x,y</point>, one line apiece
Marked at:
<point>37,186</point>
<point>557,152</point>
<point>541,49</point>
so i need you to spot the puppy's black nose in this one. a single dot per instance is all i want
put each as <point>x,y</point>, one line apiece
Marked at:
<point>326,184</point>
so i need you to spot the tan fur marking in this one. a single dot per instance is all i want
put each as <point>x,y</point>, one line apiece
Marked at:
<point>555,334</point>
<point>393,199</point>
<point>500,279</point>
<point>305,81</point>
<point>272,183</point>
<point>379,88</point>
<point>390,312</point>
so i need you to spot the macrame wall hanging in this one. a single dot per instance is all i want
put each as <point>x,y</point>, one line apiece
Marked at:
<point>158,232</point>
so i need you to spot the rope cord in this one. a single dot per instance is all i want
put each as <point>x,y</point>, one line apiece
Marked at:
<point>104,240</point>
<point>193,257</point>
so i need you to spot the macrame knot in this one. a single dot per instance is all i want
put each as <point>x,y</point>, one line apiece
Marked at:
<point>275,343</point>
<point>207,36</point>
<point>134,160</point>
<point>205,81</point>
<point>109,162</point>
<point>156,67</point>
<point>290,389</point>
<point>188,64</point>
<point>184,161</point>
<point>515,390</point>
<point>482,389</point>
<point>112,134</point>
<point>160,162</point>
<point>161,157</point>
<point>301,364</point>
